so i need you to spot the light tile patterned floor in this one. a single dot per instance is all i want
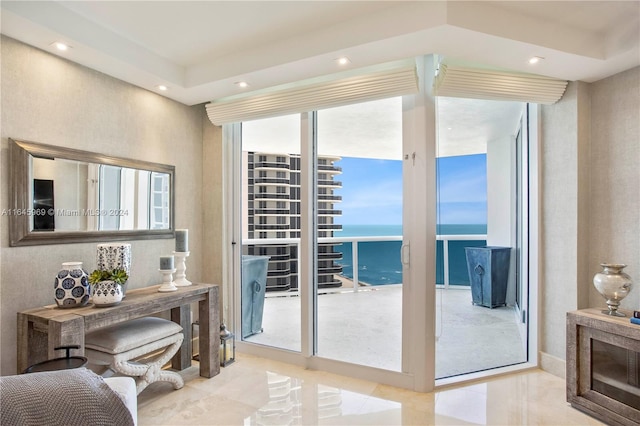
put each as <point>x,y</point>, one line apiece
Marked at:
<point>257,391</point>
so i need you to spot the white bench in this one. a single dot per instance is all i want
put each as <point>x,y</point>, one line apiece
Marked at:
<point>129,348</point>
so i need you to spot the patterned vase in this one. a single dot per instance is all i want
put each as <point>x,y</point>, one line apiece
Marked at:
<point>112,256</point>
<point>106,293</point>
<point>71,288</point>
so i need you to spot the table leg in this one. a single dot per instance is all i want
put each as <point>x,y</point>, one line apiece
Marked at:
<point>23,342</point>
<point>209,328</point>
<point>182,359</point>
<point>65,331</point>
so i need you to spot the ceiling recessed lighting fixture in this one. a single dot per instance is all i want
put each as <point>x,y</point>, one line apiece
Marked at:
<point>242,84</point>
<point>343,60</point>
<point>535,59</point>
<point>162,87</point>
<point>60,45</point>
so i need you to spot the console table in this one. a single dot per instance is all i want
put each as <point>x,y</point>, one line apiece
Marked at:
<point>42,329</point>
<point>603,366</point>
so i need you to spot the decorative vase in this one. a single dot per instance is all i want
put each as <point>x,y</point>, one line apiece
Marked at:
<point>110,256</point>
<point>614,285</point>
<point>71,286</point>
<point>106,293</point>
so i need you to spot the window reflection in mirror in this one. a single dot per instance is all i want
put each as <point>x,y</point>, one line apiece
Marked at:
<point>72,195</point>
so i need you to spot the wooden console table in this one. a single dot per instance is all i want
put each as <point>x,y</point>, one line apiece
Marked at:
<point>42,329</point>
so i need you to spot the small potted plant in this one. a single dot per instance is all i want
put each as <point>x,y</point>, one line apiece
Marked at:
<point>107,286</point>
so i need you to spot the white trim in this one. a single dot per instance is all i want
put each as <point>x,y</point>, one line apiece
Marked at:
<point>395,80</point>
<point>466,379</point>
<point>307,256</point>
<point>535,232</point>
<point>497,85</point>
<point>231,253</point>
<point>419,231</point>
<point>553,365</point>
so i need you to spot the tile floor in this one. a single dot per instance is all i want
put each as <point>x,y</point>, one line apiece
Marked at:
<point>257,391</point>
<point>351,325</point>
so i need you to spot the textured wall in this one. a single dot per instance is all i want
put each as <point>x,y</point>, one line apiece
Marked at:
<point>559,218</point>
<point>590,197</point>
<point>615,179</point>
<point>212,208</point>
<point>50,100</point>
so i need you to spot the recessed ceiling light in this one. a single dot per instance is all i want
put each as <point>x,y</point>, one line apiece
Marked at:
<point>343,60</point>
<point>162,87</point>
<point>535,59</point>
<point>60,45</point>
<point>242,84</point>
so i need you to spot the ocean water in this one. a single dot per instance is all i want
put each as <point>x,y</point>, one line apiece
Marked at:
<point>379,261</point>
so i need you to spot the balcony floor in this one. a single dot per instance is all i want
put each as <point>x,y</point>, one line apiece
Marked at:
<point>365,327</point>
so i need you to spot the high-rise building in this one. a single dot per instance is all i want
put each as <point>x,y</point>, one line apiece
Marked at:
<point>272,198</point>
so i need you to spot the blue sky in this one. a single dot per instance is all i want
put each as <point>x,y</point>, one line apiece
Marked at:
<point>372,191</point>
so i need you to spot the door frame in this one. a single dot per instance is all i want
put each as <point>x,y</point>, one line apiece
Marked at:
<point>418,359</point>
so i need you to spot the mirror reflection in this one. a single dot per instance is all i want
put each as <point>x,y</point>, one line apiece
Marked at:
<point>62,195</point>
<point>70,195</point>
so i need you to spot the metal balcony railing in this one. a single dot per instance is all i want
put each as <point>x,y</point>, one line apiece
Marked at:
<point>354,241</point>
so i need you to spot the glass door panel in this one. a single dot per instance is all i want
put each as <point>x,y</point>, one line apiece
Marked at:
<point>479,284</point>
<point>271,232</point>
<point>359,222</point>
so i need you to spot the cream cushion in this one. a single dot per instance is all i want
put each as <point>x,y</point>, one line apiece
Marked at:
<point>125,387</point>
<point>125,336</point>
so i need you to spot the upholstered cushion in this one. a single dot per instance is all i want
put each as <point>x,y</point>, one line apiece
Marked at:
<point>124,336</point>
<point>125,387</point>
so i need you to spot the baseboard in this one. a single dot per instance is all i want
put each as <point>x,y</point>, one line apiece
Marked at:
<point>553,364</point>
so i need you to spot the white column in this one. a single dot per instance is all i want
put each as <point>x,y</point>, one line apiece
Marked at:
<point>419,230</point>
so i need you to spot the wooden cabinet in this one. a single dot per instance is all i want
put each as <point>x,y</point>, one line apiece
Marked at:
<point>603,366</point>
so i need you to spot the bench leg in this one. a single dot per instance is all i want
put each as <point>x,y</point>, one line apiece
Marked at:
<point>147,373</point>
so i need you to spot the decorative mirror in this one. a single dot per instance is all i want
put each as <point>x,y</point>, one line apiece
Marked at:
<point>62,195</point>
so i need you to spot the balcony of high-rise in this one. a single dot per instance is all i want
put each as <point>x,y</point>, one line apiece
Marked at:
<point>329,182</point>
<point>329,212</point>
<point>330,197</point>
<point>329,168</point>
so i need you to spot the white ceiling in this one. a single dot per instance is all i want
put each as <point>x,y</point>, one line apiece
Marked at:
<point>199,49</point>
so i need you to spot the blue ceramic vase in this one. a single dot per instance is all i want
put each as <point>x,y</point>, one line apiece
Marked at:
<point>71,288</point>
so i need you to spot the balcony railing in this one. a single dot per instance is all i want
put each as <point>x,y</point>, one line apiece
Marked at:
<point>327,182</point>
<point>354,241</point>
<point>271,180</point>
<point>271,165</point>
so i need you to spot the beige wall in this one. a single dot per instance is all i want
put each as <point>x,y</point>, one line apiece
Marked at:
<point>615,179</point>
<point>50,100</point>
<point>212,208</point>
<point>590,198</point>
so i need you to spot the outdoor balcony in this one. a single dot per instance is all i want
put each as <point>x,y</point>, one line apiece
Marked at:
<point>362,324</point>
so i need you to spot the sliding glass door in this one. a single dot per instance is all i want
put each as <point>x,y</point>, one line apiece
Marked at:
<point>339,266</point>
<point>482,239</point>
<point>359,225</point>
<point>322,216</point>
<point>270,264</point>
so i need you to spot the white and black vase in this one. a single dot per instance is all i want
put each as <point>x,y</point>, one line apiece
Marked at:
<point>71,288</point>
<point>110,256</point>
<point>106,293</point>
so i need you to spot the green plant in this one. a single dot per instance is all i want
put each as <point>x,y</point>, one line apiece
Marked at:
<point>117,275</point>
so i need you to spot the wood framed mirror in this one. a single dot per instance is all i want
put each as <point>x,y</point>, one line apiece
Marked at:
<point>62,195</point>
